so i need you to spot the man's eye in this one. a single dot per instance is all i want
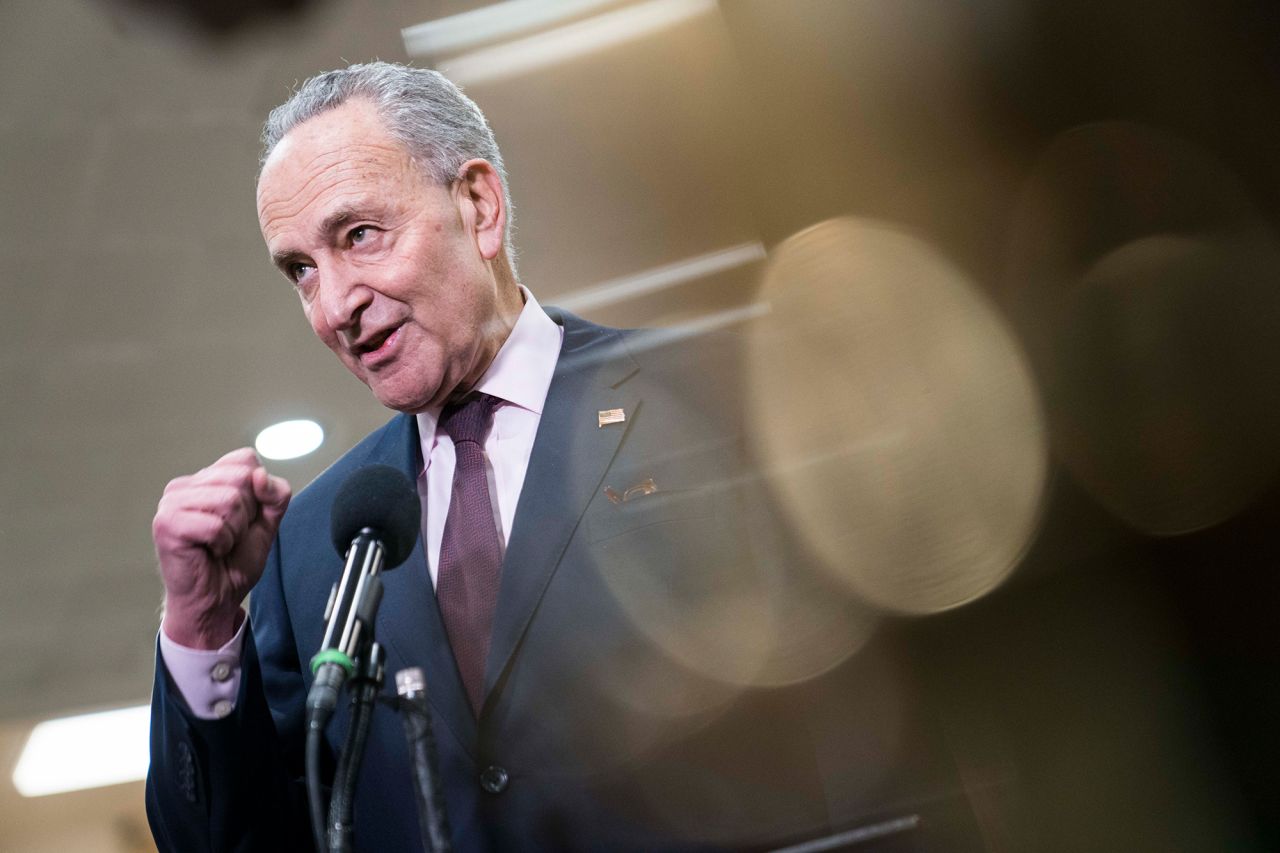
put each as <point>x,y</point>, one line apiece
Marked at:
<point>360,234</point>
<point>298,271</point>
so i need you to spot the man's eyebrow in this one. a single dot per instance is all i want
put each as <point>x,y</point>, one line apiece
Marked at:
<point>283,259</point>
<point>338,218</point>
<point>331,223</point>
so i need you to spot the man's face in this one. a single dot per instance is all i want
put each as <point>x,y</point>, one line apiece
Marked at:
<point>393,271</point>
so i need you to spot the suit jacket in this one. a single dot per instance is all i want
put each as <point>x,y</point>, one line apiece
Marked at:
<point>608,721</point>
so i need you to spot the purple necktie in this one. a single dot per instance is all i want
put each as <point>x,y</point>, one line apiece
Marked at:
<point>470,553</point>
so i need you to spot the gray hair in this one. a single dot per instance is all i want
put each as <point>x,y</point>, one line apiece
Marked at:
<point>439,126</point>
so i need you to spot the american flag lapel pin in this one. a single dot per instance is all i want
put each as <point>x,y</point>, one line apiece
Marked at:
<point>611,416</point>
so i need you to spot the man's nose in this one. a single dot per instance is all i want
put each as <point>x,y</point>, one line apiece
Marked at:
<point>343,297</point>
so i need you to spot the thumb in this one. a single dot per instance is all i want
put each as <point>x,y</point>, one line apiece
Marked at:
<point>273,495</point>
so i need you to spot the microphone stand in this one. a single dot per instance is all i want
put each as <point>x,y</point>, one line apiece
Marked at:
<point>332,834</point>
<point>364,693</point>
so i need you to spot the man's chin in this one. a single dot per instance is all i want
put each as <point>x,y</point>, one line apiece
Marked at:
<point>407,401</point>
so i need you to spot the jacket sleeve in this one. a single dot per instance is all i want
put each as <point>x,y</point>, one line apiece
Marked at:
<point>234,784</point>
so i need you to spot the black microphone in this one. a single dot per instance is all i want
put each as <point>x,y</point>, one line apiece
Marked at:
<point>375,522</point>
<point>433,821</point>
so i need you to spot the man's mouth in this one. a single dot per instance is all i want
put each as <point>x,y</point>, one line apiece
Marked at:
<point>379,346</point>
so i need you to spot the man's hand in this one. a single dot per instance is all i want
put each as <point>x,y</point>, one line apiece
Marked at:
<point>213,531</point>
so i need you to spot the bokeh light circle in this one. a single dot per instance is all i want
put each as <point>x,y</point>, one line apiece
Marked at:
<point>897,417</point>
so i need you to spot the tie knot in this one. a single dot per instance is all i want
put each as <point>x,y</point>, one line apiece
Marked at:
<point>469,419</point>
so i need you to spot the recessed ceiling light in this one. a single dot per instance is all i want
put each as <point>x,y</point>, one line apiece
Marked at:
<point>289,439</point>
<point>86,751</point>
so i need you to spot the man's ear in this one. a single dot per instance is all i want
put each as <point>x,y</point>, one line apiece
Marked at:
<point>483,205</point>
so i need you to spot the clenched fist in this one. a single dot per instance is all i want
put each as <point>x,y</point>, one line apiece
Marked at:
<point>213,531</point>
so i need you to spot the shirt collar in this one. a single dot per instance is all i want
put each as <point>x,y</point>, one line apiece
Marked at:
<point>521,372</point>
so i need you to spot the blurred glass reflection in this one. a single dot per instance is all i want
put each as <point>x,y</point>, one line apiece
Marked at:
<point>1144,280</point>
<point>897,416</point>
<point>713,591</point>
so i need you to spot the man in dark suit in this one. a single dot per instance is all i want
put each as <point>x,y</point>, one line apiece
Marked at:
<point>588,626</point>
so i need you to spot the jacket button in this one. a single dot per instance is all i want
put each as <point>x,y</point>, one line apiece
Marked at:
<point>494,779</point>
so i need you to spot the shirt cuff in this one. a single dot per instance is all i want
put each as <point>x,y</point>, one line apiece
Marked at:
<point>208,679</point>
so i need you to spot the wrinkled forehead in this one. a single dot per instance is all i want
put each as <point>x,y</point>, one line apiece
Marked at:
<point>322,163</point>
<point>304,155</point>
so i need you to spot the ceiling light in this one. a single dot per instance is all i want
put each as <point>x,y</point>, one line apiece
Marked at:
<point>289,439</point>
<point>573,40</point>
<point>86,751</point>
<point>491,23</point>
<point>660,278</point>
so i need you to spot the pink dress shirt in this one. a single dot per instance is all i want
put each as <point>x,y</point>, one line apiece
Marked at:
<point>519,376</point>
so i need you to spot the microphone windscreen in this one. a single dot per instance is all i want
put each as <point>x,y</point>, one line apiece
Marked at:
<point>381,498</point>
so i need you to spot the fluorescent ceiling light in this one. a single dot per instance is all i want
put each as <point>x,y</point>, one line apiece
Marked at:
<point>461,32</point>
<point>289,439</point>
<point>703,324</point>
<point>521,56</point>
<point>660,278</point>
<point>86,751</point>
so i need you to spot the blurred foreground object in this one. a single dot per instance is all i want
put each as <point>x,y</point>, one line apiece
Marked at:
<point>1144,280</point>
<point>896,416</point>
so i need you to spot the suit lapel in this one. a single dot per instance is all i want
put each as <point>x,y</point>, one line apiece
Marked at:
<point>409,623</point>
<point>571,454</point>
